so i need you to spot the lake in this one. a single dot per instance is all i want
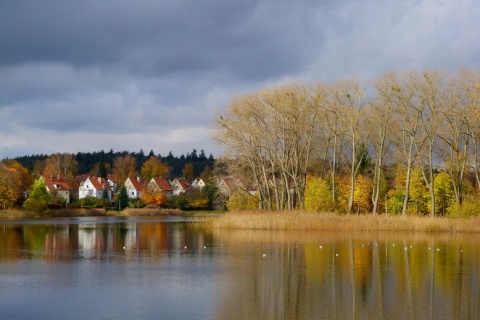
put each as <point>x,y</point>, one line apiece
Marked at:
<point>171,268</point>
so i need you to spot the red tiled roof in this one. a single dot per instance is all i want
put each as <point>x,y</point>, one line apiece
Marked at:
<point>111,177</point>
<point>163,184</point>
<point>184,183</point>
<point>55,183</point>
<point>137,184</point>
<point>99,183</point>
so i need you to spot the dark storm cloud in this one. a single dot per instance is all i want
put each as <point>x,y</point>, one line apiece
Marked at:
<point>90,75</point>
<point>157,37</point>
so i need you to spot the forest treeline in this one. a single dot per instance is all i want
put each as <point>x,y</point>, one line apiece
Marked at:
<point>86,162</point>
<point>405,142</point>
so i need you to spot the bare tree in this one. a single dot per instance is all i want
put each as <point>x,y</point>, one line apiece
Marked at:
<point>429,91</point>
<point>410,113</point>
<point>468,93</point>
<point>456,135</point>
<point>124,167</point>
<point>273,131</point>
<point>61,164</point>
<point>349,97</point>
<point>380,120</point>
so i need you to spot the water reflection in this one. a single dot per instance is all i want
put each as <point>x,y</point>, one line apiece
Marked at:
<point>67,240</point>
<point>360,276</point>
<point>256,274</point>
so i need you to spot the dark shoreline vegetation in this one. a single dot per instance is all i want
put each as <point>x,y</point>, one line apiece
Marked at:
<point>276,220</point>
<point>83,212</point>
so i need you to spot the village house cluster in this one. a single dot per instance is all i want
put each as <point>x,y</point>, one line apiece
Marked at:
<point>91,186</point>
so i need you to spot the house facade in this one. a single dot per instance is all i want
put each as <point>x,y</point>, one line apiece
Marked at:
<point>134,187</point>
<point>112,181</point>
<point>229,185</point>
<point>180,185</point>
<point>94,187</point>
<point>198,183</point>
<point>161,185</point>
<point>57,186</point>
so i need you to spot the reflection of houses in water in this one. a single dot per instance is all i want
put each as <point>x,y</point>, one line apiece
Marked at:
<point>87,240</point>
<point>57,243</point>
<point>130,236</point>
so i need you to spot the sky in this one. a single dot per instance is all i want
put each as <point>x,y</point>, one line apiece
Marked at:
<point>85,76</point>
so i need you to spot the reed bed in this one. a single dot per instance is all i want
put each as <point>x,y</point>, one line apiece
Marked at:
<point>64,213</point>
<point>302,220</point>
<point>17,214</point>
<point>131,212</point>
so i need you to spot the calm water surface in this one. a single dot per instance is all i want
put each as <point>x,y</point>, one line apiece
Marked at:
<point>169,268</point>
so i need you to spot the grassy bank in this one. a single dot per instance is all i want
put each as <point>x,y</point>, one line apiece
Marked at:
<point>67,213</point>
<point>301,220</point>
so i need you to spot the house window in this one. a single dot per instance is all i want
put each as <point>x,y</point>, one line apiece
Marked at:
<point>133,193</point>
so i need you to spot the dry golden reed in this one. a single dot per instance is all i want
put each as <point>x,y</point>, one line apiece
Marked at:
<point>148,212</point>
<point>303,220</point>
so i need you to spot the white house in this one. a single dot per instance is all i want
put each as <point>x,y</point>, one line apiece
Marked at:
<point>180,185</point>
<point>112,181</point>
<point>134,187</point>
<point>57,186</point>
<point>229,185</point>
<point>161,185</point>
<point>198,183</point>
<point>94,187</point>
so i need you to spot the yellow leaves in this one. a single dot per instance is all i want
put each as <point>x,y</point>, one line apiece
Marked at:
<point>124,167</point>
<point>61,164</point>
<point>154,168</point>
<point>318,196</point>
<point>188,171</point>
<point>153,197</point>
<point>198,203</point>
<point>362,193</point>
<point>444,194</point>
<point>14,179</point>
<point>7,196</point>
<point>242,200</point>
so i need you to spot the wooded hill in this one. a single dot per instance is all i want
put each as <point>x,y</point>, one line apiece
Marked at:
<point>88,160</point>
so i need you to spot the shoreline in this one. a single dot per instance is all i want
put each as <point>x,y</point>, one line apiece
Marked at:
<point>13,214</point>
<point>275,220</point>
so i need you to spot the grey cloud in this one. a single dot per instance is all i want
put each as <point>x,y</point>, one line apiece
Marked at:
<point>104,74</point>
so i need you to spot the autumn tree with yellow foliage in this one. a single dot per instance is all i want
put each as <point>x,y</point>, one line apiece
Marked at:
<point>153,197</point>
<point>14,179</point>
<point>318,195</point>
<point>154,168</point>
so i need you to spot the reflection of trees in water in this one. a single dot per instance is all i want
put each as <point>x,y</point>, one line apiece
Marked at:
<point>361,276</point>
<point>372,277</point>
<point>97,241</point>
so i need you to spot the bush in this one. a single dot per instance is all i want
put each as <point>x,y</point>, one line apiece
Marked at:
<point>469,208</point>
<point>136,203</point>
<point>242,200</point>
<point>318,195</point>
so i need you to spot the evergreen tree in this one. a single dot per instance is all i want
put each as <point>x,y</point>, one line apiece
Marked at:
<point>102,170</point>
<point>105,195</point>
<point>202,156</point>
<point>122,198</point>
